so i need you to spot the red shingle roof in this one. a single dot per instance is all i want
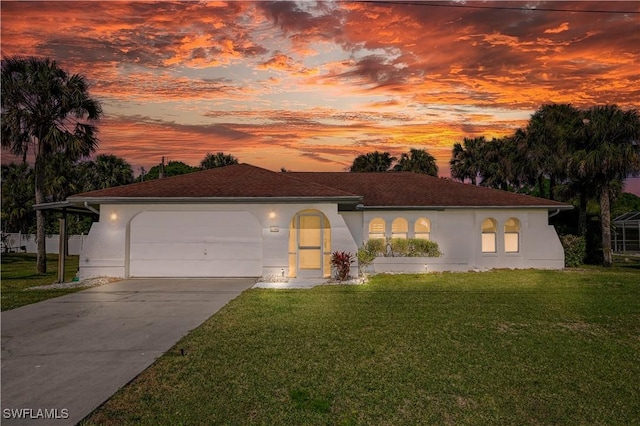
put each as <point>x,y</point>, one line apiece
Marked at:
<point>239,180</point>
<point>406,189</point>
<point>391,189</point>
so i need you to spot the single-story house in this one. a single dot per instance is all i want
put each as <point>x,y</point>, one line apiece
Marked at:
<point>246,221</point>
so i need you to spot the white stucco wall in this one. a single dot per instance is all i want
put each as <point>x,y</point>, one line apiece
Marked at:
<point>459,237</point>
<point>107,247</point>
<point>457,231</point>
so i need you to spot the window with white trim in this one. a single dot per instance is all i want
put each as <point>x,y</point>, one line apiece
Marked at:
<point>512,235</point>
<point>422,228</point>
<point>400,228</point>
<point>489,232</point>
<point>377,229</point>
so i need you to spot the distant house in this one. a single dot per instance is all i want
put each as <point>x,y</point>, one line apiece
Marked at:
<point>245,221</point>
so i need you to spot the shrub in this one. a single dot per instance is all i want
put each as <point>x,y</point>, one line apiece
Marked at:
<point>341,261</point>
<point>414,247</point>
<point>365,258</point>
<point>424,248</point>
<point>376,246</point>
<point>575,250</point>
<point>400,247</point>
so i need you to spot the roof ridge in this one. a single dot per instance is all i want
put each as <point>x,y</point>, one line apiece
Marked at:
<point>155,181</point>
<point>487,188</point>
<point>453,185</point>
<point>284,174</point>
<point>319,184</point>
<point>227,181</point>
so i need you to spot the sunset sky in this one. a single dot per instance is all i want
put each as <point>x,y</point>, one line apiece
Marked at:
<point>311,85</point>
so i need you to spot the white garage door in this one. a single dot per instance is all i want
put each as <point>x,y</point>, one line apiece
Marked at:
<point>195,244</point>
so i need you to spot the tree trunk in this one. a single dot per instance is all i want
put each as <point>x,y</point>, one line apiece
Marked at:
<point>541,186</point>
<point>552,187</point>
<point>605,213</point>
<point>582,214</point>
<point>41,258</point>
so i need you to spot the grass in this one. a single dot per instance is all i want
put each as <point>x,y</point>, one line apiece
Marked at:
<point>19,273</point>
<point>501,347</point>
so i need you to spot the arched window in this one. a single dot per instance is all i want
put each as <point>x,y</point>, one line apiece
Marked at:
<point>377,228</point>
<point>400,228</point>
<point>489,231</point>
<point>422,228</point>
<point>512,235</point>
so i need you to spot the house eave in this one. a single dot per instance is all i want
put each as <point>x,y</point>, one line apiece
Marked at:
<point>442,208</point>
<point>65,206</point>
<point>212,200</point>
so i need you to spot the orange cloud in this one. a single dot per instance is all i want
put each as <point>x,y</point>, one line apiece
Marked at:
<point>563,27</point>
<point>284,63</point>
<point>309,85</point>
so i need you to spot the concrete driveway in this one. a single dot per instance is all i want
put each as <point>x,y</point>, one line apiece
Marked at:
<point>70,354</point>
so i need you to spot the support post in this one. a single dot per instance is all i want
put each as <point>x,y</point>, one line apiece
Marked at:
<point>62,246</point>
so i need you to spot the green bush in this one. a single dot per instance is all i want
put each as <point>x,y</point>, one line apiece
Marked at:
<point>575,250</point>
<point>423,248</point>
<point>365,258</point>
<point>376,246</point>
<point>400,247</point>
<point>414,247</point>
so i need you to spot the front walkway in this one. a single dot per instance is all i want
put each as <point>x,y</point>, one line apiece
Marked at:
<point>70,354</point>
<point>292,283</point>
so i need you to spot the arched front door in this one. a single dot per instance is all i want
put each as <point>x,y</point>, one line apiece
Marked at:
<point>309,245</point>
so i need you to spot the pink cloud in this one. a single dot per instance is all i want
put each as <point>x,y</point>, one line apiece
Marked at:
<point>317,83</point>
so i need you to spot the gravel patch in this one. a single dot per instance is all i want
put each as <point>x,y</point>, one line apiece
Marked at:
<point>89,282</point>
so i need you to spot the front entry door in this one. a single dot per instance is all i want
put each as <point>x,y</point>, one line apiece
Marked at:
<point>310,245</point>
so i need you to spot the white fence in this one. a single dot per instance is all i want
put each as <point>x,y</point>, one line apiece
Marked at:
<point>26,243</point>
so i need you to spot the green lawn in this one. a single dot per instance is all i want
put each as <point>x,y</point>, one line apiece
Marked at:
<point>502,347</point>
<point>19,273</point>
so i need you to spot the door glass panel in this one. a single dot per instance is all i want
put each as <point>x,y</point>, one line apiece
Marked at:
<point>310,258</point>
<point>293,248</point>
<point>292,264</point>
<point>309,231</point>
<point>310,242</point>
<point>327,238</point>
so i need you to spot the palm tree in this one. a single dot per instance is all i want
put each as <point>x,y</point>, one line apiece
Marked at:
<point>552,133</point>
<point>610,152</point>
<point>466,159</point>
<point>46,110</point>
<point>220,159</point>
<point>17,197</point>
<point>373,162</point>
<point>581,190</point>
<point>418,161</point>
<point>105,171</point>
<point>500,164</point>
<point>62,178</point>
